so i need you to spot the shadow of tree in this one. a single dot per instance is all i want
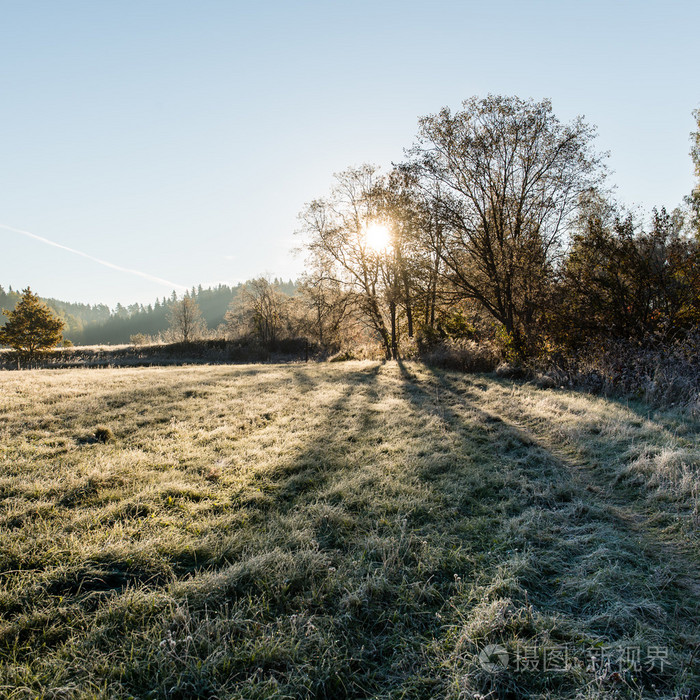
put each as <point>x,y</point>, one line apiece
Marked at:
<point>578,549</point>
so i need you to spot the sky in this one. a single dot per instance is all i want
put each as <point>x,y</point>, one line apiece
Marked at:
<point>152,145</point>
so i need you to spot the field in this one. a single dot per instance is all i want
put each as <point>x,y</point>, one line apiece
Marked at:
<point>357,529</point>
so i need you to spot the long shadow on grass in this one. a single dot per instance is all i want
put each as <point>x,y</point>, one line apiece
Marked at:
<point>599,485</point>
<point>328,592</point>
<point>270,572</point>
<point>337,544</point>
<point>603,454</point>
<point>287,569</point>
<point>310,470</point>
<point>570,553</point>
<point>268,493</point>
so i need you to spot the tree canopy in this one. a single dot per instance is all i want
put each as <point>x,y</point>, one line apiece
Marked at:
<point>499,226</point>
<point>506,177</point>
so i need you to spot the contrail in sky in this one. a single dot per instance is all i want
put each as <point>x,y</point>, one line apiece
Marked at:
<point>138,273</point>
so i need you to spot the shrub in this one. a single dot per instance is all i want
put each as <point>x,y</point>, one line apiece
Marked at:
<point>506,370</point>
<point>658,372</point>
<point>464,355</point>
<point>104,434</point>
<point>342,356</point>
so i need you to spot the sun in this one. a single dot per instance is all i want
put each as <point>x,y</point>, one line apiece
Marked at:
<point>377,237</point>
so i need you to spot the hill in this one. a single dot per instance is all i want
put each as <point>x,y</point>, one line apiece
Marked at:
<point>342,530</point>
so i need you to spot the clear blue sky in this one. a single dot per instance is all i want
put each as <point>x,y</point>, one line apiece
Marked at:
<point>181,139</point>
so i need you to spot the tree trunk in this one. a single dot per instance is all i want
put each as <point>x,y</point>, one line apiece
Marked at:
<point>320,324</point>
<point>407,303</point>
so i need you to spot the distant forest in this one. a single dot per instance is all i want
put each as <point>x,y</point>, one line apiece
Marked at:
<point>97,324</point>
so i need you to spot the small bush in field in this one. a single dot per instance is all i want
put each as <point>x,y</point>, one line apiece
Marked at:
<point>506,370</point>
<point>104,434</point>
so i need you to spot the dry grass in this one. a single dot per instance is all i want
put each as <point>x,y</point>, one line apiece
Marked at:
<point>661,373</point>
<point>206,351</point>
<point>341,530</point>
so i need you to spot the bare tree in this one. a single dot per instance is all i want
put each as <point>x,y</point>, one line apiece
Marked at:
<point>416,262</point>
<point>335,228</point>
<point>259,309</point>
<point>326,307</point>
<point>505,177</point>
<point>185,317</point>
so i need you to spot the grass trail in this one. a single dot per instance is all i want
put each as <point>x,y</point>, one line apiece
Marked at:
<point>342,530</point>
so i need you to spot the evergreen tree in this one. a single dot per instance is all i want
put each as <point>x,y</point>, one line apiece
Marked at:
<point>31,327</point>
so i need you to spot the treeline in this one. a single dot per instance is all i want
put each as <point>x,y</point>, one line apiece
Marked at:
<point>153,322</point>
<point>268,314</point>
<point>85,324</point>
<point>499,229</point>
